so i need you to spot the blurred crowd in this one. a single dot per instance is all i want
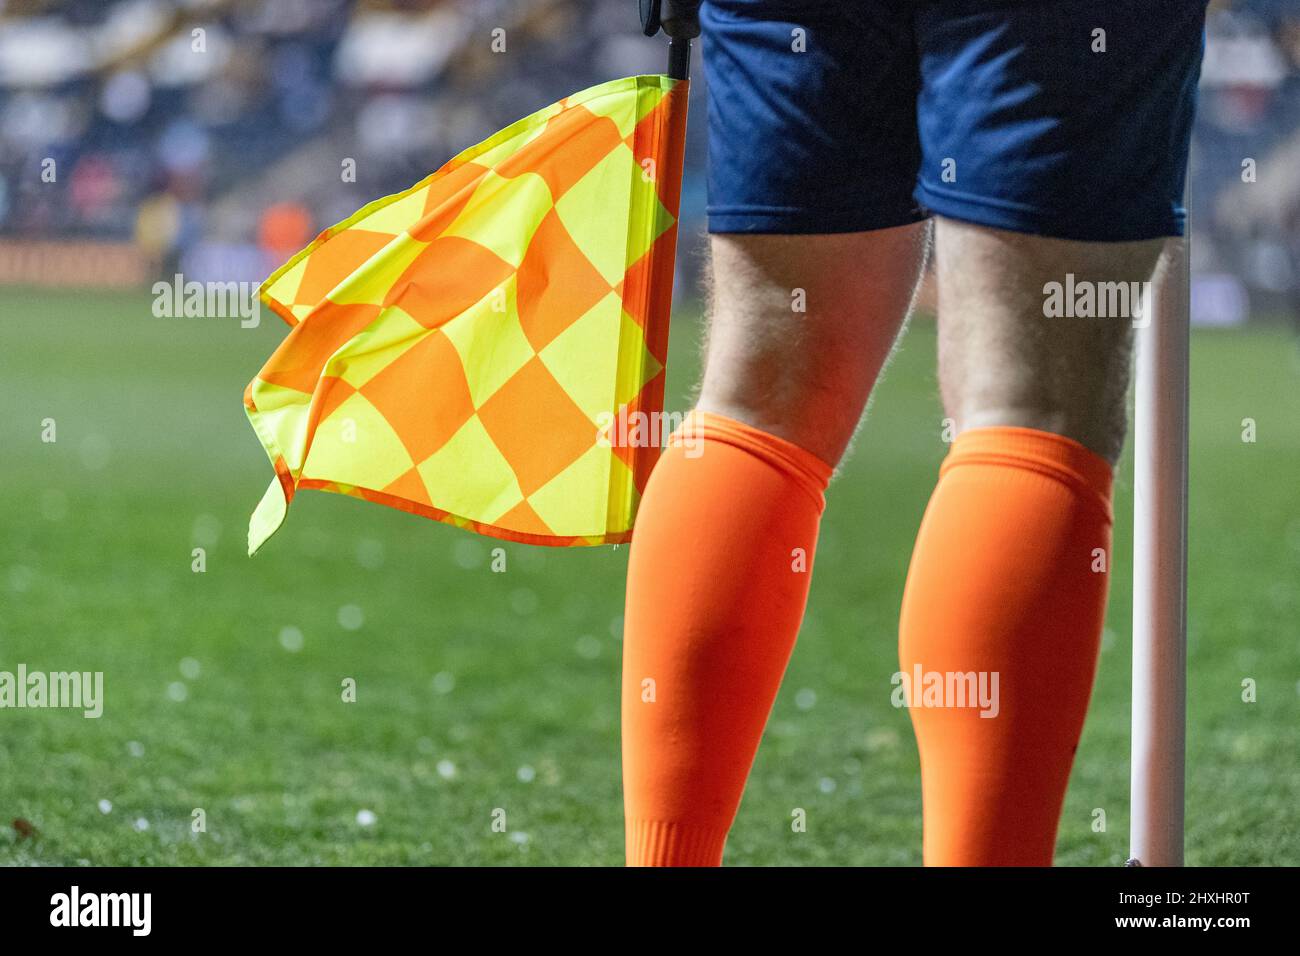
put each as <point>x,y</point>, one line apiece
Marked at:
<point>1245,174</point>
<point>221,135</point>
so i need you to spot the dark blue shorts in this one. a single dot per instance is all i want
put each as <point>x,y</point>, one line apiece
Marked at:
<point>1065,118</point>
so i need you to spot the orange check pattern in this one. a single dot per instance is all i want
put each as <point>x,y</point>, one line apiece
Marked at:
<point>457,349</point>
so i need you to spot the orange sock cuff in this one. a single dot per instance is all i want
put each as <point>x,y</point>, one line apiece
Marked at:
<point>1048,454</point>
<point>662,843</point>
<point>812,474</point>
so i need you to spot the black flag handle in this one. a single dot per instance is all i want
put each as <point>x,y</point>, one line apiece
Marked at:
<point>680,19</point>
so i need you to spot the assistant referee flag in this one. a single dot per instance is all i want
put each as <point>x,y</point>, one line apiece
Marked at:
<point>459,349</point>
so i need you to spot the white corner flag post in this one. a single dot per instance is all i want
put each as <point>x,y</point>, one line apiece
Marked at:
<point>1159,702</point>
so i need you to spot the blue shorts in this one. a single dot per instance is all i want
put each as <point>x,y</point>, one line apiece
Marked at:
<point>1064,118</point>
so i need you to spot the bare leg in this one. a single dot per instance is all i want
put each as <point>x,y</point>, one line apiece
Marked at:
<point>801,326</point>
<point>724,542</point>
<point>1002,362</point>
<point>1009,576</point>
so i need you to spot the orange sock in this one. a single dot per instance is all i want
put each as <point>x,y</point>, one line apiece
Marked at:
<point>717,582</point>
<point>1009,576</point>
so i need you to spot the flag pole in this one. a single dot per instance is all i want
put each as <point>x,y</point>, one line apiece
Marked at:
<point>1159,707</point>
<point>680,20</point>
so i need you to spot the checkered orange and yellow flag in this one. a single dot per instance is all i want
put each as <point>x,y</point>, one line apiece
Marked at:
<point>457,349</point>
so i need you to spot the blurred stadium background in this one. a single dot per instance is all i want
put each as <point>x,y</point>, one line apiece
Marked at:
<point>477,690</point>
<point>218,164</point>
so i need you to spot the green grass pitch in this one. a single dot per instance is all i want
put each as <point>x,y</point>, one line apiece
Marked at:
<point>479,691</point>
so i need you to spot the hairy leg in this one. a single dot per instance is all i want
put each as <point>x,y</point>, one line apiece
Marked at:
<point>801,325</point>
<point>1009,576</point>
<point>718,575</point>
<point>1003,362</point>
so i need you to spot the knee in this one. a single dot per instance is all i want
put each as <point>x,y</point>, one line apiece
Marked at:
<point>1072,382</point>
<point>1102,434</point>
<point>818,413</point>
<point>800,327</point>
<point>1088,405</point>
<point>1006,359</point>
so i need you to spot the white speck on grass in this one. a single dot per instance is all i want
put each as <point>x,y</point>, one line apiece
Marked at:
<point>459,733</point>
<point>1284,594</point>
<point>444,682</point>
<point>190,668</point>
<point>206,531</point>
<point>806,699</point>
<point>95,451</point>
<point>105,806</point>
<point>20,578</point>
<point>519,837</point>
<point>446,769</point>
<point>826,785</point>
<point>177,691</point>
<point>1250,746</point>
<point>135,748</point>
<point>366,818</point>
<point>370,554</point>
<point>141,824</point>
<point>587,647</point>
<point>468,553</point>
<point>291,639</point>
<point>783,728</point>
<point>526,774</point>
<point>523,601</point>
<point>351,617</point>
<point>884,738</point>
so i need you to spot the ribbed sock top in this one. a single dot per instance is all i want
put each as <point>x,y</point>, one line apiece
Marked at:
<point>812,474</point>
<point>1047,453</point>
